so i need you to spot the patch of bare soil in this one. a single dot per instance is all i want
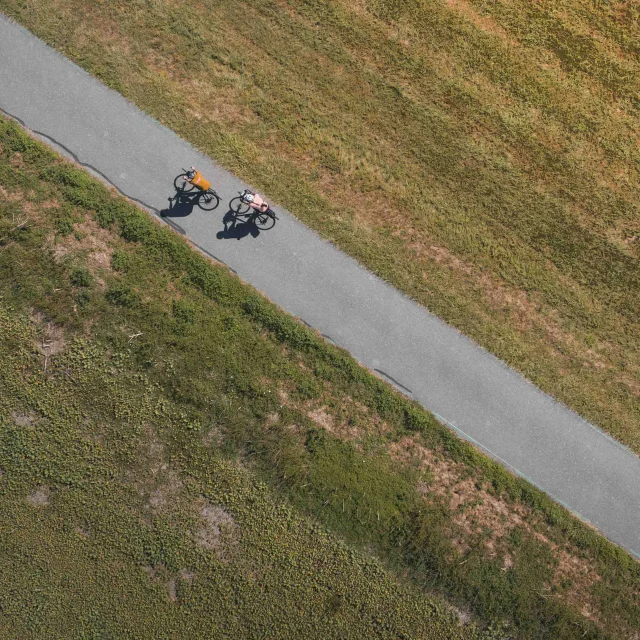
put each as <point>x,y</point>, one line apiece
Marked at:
<point>51,339</point>
<point>218,532</point>
<point>213,438</point>
<point>323,418</point>
<point>26,420</point>
<point>187,576</point>
<point>40,497</point>
<point>463,615</point>
<point>154,479</point>
<point>89,238</point>
<point>272,419</point>
<point>283,394</point>
<point>17,160</point>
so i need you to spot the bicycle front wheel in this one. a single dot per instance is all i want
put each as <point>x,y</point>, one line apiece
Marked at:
<point>208,200</point>
<point>239,207</point>
<point>179,181</point>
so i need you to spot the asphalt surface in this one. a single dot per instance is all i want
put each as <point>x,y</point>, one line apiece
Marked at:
<point>467,388</point>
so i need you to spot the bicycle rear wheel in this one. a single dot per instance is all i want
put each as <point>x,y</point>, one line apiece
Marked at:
<point>208,200</point>
<point>265,221</point>
<point>179,180</point>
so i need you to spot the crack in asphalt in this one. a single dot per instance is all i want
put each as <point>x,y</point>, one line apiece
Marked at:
<point>108,181</point>
<point>394,381</point>
<point>86,165</point>
<point>178,228</point>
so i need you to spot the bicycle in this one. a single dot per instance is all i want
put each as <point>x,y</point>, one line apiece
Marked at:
<point>241,207</point>
<point>207,199</point>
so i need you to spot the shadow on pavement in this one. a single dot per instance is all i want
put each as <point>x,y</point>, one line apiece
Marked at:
<point>238,226</point>
<point>181,205</point>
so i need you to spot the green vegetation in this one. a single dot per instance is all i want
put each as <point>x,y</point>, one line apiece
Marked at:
<point>101,538</point>
<point>480,155</point>
<point>180,458</point>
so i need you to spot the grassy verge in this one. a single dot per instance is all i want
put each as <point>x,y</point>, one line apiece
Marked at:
<point>176,445</point>
<point>111,529</point>
<point>482,156</point>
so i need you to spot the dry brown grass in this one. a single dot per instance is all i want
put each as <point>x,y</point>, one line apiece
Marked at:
<point>327,421</point>
<point>582,576</point>
<point>485,23</point>
<point>477,510</point>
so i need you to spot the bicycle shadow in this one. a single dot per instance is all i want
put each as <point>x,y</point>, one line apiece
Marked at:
<point>238,226</point>
<point>181,205</point>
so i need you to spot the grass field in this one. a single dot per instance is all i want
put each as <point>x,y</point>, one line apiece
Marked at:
<point>480,155</point>
<point>178,458</point>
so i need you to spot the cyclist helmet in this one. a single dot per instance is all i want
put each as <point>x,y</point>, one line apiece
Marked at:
<point>248,197</point>
<point>191,174</point>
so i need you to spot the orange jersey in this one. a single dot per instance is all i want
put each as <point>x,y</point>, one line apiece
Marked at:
<point>199,181</point>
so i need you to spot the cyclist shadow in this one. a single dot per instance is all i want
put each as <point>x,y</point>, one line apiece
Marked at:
<point>238,226</point>
<point>181,205</point>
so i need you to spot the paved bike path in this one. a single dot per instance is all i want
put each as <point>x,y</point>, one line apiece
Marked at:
<point>466,387</point>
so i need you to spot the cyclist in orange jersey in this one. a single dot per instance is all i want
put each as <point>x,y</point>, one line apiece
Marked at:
<point>194,177</point>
